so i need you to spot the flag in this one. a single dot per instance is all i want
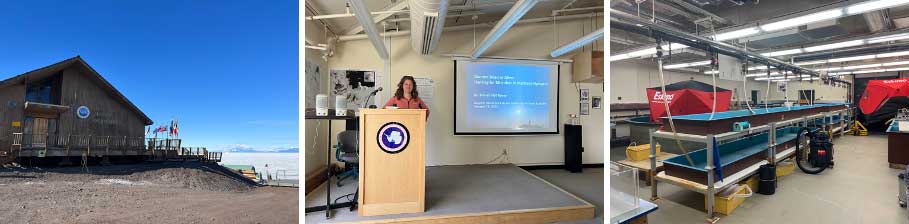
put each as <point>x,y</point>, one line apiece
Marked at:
<point>147,130</point>
<point>161,128</point>
<point>174,127</point>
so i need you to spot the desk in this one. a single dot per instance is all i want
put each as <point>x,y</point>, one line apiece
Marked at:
<point>311,115</point>
<point>897,145</point>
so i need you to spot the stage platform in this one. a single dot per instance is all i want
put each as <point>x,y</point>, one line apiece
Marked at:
<point>471,194</point>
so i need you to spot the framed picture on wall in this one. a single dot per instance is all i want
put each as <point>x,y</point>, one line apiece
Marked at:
<point>585,109</point>
<point>595,102</point>
<point>585,95</point>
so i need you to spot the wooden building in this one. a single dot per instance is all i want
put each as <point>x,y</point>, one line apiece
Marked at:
<point>68,110</point>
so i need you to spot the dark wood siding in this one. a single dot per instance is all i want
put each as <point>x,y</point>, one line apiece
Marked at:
<point>14,94</point>
<point>109,116</point>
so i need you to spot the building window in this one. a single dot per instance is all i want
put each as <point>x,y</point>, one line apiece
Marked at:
<point>45,91</point>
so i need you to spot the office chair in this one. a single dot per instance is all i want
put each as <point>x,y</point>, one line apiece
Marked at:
<point>347,151</point>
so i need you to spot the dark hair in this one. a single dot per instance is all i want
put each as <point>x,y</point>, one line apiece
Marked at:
<point>400,92</point>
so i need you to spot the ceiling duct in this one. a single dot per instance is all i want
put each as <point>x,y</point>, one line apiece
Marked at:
<point>427,18</point>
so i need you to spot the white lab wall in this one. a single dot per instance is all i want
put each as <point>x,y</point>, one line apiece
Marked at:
<point>631,78</point>
<point>524,41</point>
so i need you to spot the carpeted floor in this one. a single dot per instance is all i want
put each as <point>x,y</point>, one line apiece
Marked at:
<point>587,185</point>
<point>466,189</point>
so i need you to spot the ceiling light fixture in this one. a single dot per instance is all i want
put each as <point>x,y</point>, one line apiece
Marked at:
<point>802,20</point>
<point>873,5</point>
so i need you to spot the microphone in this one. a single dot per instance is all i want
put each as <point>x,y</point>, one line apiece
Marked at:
<point>376,91</point>
<point>373,93</point>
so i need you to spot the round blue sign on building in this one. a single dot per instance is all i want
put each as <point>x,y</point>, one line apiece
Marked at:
<point>83,112</point>
<point>393,137</point>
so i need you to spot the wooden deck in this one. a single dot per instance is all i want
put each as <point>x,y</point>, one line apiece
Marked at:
<point>44,145</point>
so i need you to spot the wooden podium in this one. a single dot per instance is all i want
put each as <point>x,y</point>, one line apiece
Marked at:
<point>392,161</point>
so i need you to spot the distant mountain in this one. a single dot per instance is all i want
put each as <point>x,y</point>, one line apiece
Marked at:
<point>252,150</point>
<point>290,150</point>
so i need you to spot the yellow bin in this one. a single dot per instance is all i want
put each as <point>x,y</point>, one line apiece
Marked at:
<point>639,152</point>
<point>752,181</point>
<point>785,168</point>
<point>726,202</point>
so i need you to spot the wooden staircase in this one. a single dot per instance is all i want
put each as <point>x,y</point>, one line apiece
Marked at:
<point>7,155</point>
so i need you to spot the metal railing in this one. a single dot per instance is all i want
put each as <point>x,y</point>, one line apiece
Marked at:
<point>157,147</point>
<point>90,142</point>
<point>712,140</point>
<point>200,153</point>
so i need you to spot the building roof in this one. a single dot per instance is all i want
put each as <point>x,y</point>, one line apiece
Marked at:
<point>52,69</point>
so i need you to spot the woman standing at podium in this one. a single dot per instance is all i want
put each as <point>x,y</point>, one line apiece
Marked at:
<point>406,97</point>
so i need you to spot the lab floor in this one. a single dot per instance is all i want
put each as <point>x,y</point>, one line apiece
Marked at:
<point>860,189</point>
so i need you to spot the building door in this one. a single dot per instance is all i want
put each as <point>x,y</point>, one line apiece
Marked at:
<point>37,130</point>
<point>806,96</point>
<point>754,97</point>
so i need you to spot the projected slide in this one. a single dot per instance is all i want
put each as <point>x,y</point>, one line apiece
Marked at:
<point>506,98</point>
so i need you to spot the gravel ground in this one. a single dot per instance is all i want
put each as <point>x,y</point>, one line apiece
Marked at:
<point>139,193</point>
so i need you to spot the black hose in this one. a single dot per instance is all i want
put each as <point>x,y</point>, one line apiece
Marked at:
<point>807,168</point>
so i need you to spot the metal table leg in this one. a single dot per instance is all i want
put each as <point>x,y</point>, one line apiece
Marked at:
<point>653,171</point>
<point>711,218</point>
<point>328,164</point>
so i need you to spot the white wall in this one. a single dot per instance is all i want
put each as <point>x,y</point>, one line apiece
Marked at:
<point>631,78</point>
<point>525,41</point>
<point>316,141</point>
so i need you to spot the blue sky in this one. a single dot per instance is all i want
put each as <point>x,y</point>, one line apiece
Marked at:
<point>226,69</point>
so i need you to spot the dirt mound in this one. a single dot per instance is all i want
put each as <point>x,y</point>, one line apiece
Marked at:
<point>190,178</point>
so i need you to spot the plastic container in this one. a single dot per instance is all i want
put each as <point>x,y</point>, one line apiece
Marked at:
<point>752,182</point>
<point>639,152</point>
<point>767,179</point>
<point>785,168</point>
<point>623,189</point>
<point>726,201</point>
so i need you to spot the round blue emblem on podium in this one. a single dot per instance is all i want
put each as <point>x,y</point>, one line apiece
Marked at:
<point>393,137</point>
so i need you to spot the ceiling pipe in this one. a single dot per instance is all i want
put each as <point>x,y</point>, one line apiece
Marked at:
<point>392,11</point>
<point>577,9</point>
<point>345,15</point>
<point>514,14</point>
<point>586,39</point>
<point>699,10</point>
<point>363,16</point>
<point>823,13</point>
<point>447,16</point>
<point>468,27</point>
<point>355,29</point>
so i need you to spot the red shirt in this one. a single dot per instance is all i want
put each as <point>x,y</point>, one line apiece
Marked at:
<point>404,103</point>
